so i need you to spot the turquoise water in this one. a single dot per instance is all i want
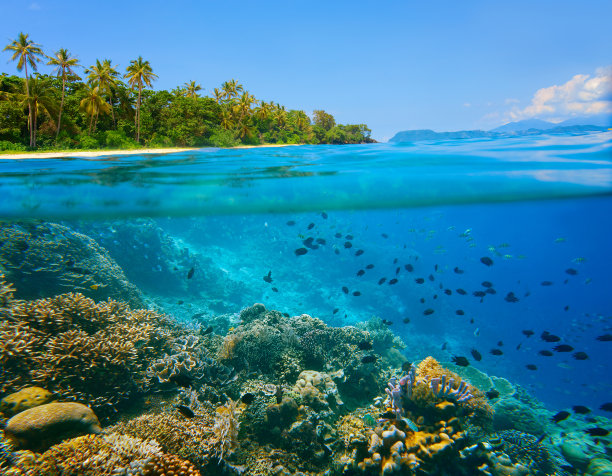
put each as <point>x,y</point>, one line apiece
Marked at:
<point>524,221</point>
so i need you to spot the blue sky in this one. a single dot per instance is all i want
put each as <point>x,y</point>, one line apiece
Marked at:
<point>394,65</point>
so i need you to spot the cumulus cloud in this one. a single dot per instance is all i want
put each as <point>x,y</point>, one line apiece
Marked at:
<point>583,95</point>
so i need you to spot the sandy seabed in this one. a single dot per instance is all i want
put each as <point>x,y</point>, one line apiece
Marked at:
<point>101,153</point>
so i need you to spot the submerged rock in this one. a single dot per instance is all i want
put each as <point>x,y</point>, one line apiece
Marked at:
<point>28,397</point>
<point>42,426</point>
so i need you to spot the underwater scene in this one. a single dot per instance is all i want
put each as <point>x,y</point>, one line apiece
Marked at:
<point>432,308</point>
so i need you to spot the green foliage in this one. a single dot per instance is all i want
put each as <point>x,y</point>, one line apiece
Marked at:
<point>102,111</point>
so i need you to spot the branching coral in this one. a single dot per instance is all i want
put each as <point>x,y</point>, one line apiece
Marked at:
<point>94,353</point>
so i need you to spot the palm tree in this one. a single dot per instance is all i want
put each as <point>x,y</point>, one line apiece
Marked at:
<point>231,88</point>
<point>226,119</point>
<point>93,104</point>
<point>219,95</point>
<point>63,63</point>
<point>30,53</point>
<point>263,111</point>
<point>39,98</point>
<point>191,89</point>
<point>139,72</point>
<point>105,76</point>
<point>244,105</point>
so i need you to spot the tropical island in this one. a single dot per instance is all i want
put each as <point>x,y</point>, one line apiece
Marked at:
<point>106,109</point>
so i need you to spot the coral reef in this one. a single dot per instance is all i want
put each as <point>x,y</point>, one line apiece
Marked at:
<point>44,425</point>
<point>318,389</point>
<point>47,259</point>
<point>100,350</point>
<point>25,398</point>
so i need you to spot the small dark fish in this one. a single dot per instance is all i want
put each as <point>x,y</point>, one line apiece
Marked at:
<point>337,251</point>
<point>180,302</point>
<point>207,331</point>
<point>369,359</point>
<point>571,271</point>
<point>247,398</point>
<point>511,297</point>
<point>397,270</point>
<point>381,281</point>
<point>290,223</point>
<point>300,251</point>
<point>335,310</point>
<point>428,312</point>
<point>527,333</point>
<point>460,312</point>
<point>311,226</point>
<point>308,243</point>
<point>406,320</point>
<point>486,261</point>
<point>531,367</point>
<point>472,321</point>
<point>581,409</point>
<point>546,283</point>
<point>406,366</point>
<point>435,267</point>
<point>356,293</point>
<point>500,343</point>
<point>190,273</point>
<point>384,235</point>
<point>545,353</point>
<point>560,416</point>
<point>185,411</point>
<point>419,280</point>
<point>324,215</point>
<point>490,291</point>
<point>566,308</point>
<point>370,266</point>
<point>604,338</point>
<point>321,241</point>
<point>444,346</point>
<point>491,394</point>
<point>286,314</point>
<point>563,348</point>
<point>338,235</point>
<point>431,277</point>
<point>275,290</point>
<point>409,268</point>
<point>597,431</point>
<point>359,252</point>
<point>345,290</point>
<point>460,361</point>
<point>479,294</point>
<point>365,345</point>
<point>606,407</point>
<point>548,337</point>
<point>387,322</point>
<point>348,237</point>
<point>268,277</point>
<point>361,272</point>
<point>448,292</point>
<point>477,355</point>
<point>463,292</point>
<point>580,355</point>
<point>422,300</point>
<point>348,244</point>
<point>486,284</point>
<point>519,345</point>
<point>395,260</point>
<point>458,271</point>
<point>435,296</point>
<point>496,352</point>
<point>392,281</point>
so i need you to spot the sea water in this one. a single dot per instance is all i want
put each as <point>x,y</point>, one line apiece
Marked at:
<point>539,207</point>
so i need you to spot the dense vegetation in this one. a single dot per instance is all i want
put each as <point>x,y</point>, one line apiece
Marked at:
<point>64,111</point>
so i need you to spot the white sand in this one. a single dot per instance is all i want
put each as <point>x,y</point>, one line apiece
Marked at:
<point>100,153</point>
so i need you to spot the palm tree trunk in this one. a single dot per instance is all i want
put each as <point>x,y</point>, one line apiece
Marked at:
<point>112,110</point>
<point>59,118</point>
<point>138,109</point>
<point>35,124</point>
<point>29,105</point>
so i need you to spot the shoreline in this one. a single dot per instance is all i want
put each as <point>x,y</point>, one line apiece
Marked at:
<point>101,153</point>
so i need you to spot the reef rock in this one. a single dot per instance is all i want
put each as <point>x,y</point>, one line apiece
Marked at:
<point>28,397</point>
<point>511,414</point>
<point>42,426</point>
<point>46,259</point>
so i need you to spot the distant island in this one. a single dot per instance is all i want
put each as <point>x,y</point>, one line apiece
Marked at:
<point>110,110</point>
<point>512,129</point>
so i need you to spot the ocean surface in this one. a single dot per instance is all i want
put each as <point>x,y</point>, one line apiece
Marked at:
<point>457,245</point>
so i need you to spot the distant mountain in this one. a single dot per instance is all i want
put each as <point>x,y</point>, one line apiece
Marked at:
<point>525,125</point>
<point>604,120</point>
<point>427,134</point>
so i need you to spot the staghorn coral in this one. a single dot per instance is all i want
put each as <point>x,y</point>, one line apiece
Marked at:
<point>100,350</point>
<point>47,259</point>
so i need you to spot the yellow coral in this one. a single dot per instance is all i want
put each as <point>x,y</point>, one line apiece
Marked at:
<point>25,398</point>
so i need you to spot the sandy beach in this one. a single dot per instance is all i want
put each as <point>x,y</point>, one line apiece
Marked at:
<point>100,153</point>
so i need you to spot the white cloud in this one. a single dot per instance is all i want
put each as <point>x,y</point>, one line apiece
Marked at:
<point>583,95</point>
